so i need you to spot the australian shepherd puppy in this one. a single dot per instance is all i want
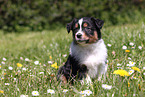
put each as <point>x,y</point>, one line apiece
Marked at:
<point>88,53</point>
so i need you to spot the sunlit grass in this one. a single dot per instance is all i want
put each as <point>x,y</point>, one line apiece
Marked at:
<point>29,64</point>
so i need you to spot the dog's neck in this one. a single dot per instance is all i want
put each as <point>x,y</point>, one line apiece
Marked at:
<point>85,48</point>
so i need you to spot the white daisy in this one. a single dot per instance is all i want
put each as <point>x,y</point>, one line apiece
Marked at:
<point>131,43</point>
<point>24,69</point>
<point>88,92</point>
<point>7,84</point>
<point>143,68</point>
<point>3,62</point>
<point>4,59</point>
<point>23,95</point>
<point>64,55</point>
<point>143,73</point>
<point>26,59</point>
<point>50,62</point>
<point>36,62</point>
<point>118,64</point>
<point>131,72</point>
<point>109,45</point>
<point>105,86</point>
<point>50,91</point>
<point>124,47</point>
<point>129,58</point>
<point>10,68</point>
<point>140,47</point>
<point>41,72</point>
<point>131,64</point>
<point>35,93</point>
<point>65,90</point>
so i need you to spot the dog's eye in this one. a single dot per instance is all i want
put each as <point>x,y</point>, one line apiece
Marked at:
<point>76,25</point>
<point>85,25</point>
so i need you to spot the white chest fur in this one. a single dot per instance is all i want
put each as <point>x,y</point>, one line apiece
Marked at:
<point>92,55</point>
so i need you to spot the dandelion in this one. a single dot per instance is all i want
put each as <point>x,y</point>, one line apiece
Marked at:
<point>131,44</point>
<point>109,45</point>
<point>127,51</point>
<point>54,65</point>
<point>10,68</point>
<point>136,69</point>
<point>19,65</point>
<point>140,47</point>
<point>105,86</point>
<point>131,72</point>
<point>65,90</point>
<point>1,91</point>
<point>124,47</point>
<point>50,57</point>
<point>131,64</point>
<point>4,59</point>
<point>128,84</point>
<point>50,91</point>
<point>0,66</point>
<point>121,72</point>
<point>36,62</point>
<point>35,93</point>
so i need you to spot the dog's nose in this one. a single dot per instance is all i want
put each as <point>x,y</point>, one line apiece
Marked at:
<point>79,35</point>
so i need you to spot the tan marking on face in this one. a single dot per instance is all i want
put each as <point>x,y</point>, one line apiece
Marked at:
<point>93,38</point>
<point>85,37</point>
<point>85,25</point>
<point>76,25</point>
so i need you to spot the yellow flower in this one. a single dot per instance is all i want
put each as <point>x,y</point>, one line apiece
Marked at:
<point>54,65</point>
<point>127,51</point>
<point>128,84</point>
<point>136,69</point>
<point>19,65</point>
<point>1,91</point>
<point>50,57</point>
<point>121,72</point>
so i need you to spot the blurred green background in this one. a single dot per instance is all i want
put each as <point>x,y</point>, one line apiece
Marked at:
<point>36,15</point>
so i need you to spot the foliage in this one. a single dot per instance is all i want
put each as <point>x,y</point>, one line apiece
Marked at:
<point>30,15</point>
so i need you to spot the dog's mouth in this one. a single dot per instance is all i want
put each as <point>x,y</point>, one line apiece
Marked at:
<point>84,41</point>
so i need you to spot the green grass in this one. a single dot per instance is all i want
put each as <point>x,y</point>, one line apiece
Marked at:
<point>39,46</point>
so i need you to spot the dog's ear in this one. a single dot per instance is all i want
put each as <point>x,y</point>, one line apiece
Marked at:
<point>70,25</point>
<point>99,23</point>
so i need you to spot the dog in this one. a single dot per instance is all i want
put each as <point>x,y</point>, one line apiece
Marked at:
<point>88,53</point>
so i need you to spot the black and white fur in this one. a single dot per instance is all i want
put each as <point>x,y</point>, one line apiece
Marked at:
<point>88,53</point>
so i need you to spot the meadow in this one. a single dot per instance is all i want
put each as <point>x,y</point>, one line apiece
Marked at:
<point>29,62</point>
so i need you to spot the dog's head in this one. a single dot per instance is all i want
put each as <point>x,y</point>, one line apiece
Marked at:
<point>85,30</point>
